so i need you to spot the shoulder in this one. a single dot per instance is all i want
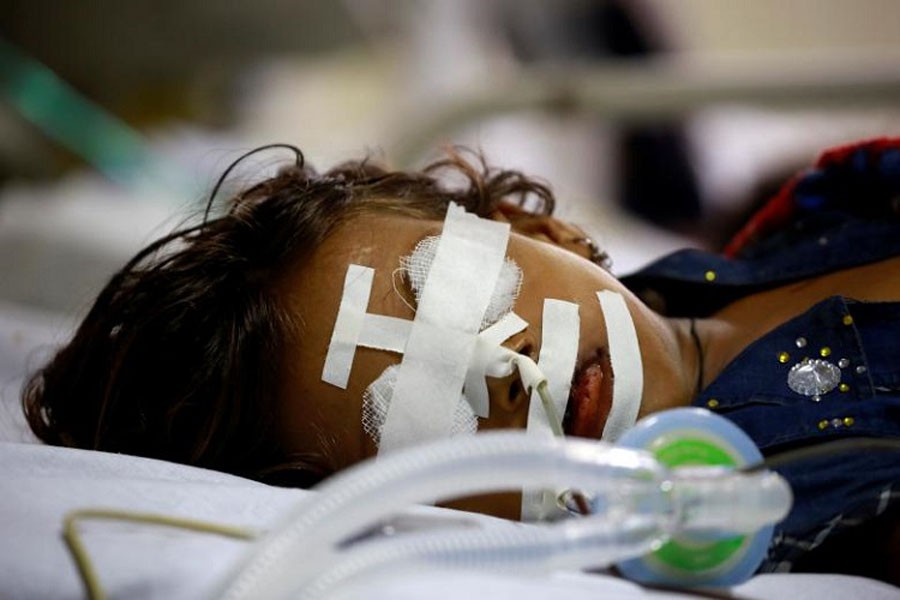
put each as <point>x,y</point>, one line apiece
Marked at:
<point>843,212</point>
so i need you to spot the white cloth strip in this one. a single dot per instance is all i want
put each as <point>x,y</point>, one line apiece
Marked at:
<point>560,334</point>
<point>490,358</point>
<point>627,367</point>
<point>348,325</point>
<point>457,292</point>
<point>384,333</point>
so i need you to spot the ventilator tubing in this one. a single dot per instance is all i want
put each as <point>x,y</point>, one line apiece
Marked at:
<point>643,504</point>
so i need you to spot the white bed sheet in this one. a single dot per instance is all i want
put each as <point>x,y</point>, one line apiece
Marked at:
<point>41,484</point>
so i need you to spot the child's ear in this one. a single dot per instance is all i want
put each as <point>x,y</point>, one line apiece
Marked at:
<point>551,230</point>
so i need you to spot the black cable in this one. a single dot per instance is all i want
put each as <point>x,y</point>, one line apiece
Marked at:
<point>698,387</point>
<point>842,446</point>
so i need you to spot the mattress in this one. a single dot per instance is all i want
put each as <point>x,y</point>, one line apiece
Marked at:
<point>43,484</point>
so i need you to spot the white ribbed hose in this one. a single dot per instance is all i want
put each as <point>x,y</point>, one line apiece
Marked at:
<point>642,503</point>
<point>305,544</point>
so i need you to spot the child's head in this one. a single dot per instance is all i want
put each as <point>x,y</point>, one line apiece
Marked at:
<point>209,347</point>
<point>184,354</point>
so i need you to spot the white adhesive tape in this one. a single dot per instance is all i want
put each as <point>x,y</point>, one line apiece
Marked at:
<point>384,333</point>
<point>561,330</point>
<point>348,325</point>
<point>490,359</point>
<point>627,367</point>
<point>444,332</point>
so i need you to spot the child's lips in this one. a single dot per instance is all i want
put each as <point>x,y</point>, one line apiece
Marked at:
<point>590,399</point>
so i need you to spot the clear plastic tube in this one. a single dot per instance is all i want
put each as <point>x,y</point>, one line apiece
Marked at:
<point>720,499</point>
<point>642,503</point>
<point>307,541</point>
<point>591,542</point>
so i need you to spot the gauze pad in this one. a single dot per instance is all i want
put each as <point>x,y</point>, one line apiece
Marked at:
<point>627,367</point>
<point>416,266</point>
<point>377,398</point>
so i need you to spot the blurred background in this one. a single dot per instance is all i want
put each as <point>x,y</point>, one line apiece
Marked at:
<point>658,123</point>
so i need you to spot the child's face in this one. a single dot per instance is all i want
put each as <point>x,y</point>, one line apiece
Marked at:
<point>319,419</point>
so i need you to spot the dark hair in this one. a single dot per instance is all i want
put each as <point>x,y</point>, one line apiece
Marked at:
<point>181,354</point>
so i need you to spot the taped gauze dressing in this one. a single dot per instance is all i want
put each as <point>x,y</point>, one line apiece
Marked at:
<point>489,359</point>
<point>442,340</point>
<point>560,334</point>
<point>627,366</point>
<point>377,398</point>
<point>355,327</point>
<point>417,265</point>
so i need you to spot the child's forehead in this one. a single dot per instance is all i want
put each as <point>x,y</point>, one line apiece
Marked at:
<point>375,240</point>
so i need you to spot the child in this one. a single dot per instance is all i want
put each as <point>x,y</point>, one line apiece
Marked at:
<point>223,345</point>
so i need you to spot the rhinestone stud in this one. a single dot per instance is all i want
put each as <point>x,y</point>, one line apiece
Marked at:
<point>813,378</point>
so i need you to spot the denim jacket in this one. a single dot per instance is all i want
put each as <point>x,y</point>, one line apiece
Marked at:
<point>844,212</point>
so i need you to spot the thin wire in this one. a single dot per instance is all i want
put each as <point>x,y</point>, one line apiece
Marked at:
<point>299,161</point>
<point>700,358</point>
<point>864,444</point>
<point>83,561</point>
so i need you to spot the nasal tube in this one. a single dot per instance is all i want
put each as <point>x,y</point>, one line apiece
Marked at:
<point>643,505</point>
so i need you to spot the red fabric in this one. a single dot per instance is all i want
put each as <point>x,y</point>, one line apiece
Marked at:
<point>778,211</point>
<point>840,154</point>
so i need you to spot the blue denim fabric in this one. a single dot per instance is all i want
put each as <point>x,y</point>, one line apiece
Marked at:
<point>827,233</point>
<point>815,245</point>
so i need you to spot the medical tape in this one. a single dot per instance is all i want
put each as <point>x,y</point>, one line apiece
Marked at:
<point>355,327</point>
<point>627,368</point>
<point>490,359</point>
<point>384,333</point>
<point>348,325</point>
<point>560,333</point>
<point>444,332</point>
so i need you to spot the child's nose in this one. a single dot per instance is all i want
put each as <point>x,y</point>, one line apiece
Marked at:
<point>508,394</point>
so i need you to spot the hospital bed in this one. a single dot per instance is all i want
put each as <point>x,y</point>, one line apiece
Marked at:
<point>44,487</point>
